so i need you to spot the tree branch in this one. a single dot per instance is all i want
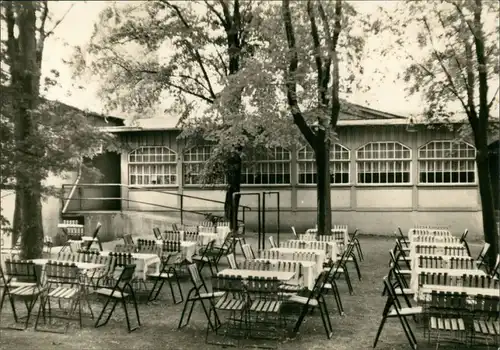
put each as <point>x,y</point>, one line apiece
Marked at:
<point>291,82</point>
<point>331,48</point>
<point>215,12</point>
<point>469,68</point>
<point>455,56</point>
<point>58,22</point>
<point>195,51</point>
<point>451,84</point>
<point>333,58</point>
<point>493,98</point>
<point>337,26</point>
<point>317,53</point>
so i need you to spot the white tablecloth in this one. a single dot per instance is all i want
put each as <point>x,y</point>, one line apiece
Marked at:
<point>145,263</point>
<point>309,271</point>
<point>288,254</point>
<point>331,250</point>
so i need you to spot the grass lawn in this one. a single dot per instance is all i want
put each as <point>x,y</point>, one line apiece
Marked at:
<point>355,330</point>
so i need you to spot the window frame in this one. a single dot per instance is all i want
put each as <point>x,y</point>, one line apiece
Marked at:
<point>257,163</point>
<point>446,184</point>
<point>190,162</point>
<point>409,160</point>
<point>331,162</point>
<point>170,153</point>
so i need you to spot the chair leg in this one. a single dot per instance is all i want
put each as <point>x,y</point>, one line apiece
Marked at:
<point>41,310</point>
<point>325,317</point>
<point>181,325</point>
<point>356,265</point>
<point>157,286</point>
<point>359,250</point>
<point>338,300</point>
<point>115,302</point>
<point>172,291</point>
<point>300,320</point>
<point>379,331</point>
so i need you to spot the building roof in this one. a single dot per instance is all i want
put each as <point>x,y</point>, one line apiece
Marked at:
<point>357,115</point>
<point>5,93</point>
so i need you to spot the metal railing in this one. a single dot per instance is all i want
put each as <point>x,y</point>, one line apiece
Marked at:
<point>180,208</point>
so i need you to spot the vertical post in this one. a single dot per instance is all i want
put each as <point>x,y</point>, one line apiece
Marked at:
<point>278,216</point>
<point>243,218</point>
<point>258,216</point>
<point>182,209</point>
<point>263,220</point>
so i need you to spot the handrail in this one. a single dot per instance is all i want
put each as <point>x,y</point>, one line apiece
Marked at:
<point>155,190</point>
<point>142,202</point>
<point>72,192</point>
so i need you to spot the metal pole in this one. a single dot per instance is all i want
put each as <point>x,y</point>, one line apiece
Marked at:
<point>258,216</point>
<point>263,220</point>
<point>258,213</point>
<point>278,217</point>
<point>182,207</point>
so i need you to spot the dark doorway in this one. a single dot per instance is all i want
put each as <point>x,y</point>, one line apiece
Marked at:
<point>108,164</point>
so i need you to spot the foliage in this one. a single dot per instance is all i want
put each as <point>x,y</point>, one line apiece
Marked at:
<point>205,80</point>
<point>456,64</point>
<point>39,137</point>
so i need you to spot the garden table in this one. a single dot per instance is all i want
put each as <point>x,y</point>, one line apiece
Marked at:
<point>451,272</point>
<point>280,275</point>
<point>145,263</point>
<point>470,291</point>
<point>82,266</point>
<point>331,250</point>
<point>309,272</point>
<point>288,254</point>
<point>188,248</point>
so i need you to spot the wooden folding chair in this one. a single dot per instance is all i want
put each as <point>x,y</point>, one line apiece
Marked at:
<point>128,240</point>
<point>480,261</point>
<point>486,321</point>
<point>64,282</point>
<point>203,259</point>
<point>167,273</point>
<point>495,271</point>
<point>199,293</point>
<point>87,243</point>
<point>157,233</point>
<point>231,260</point>
<point>28,289</point>
<point>313,300</point>
<point>272,243</point>
<point>393,309</point>
<point>121,292</point>
<point>234,301</point>
<point>446,313</point>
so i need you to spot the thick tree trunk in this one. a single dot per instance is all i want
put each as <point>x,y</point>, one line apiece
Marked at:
<point>324,211</point>
<point>234,185</point>
<point>488,208</point>
<point>28,182</point>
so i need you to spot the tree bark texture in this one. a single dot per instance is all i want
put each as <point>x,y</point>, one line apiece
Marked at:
<point>324,209</point>
<point>233,174</point>
<point>28,183</point>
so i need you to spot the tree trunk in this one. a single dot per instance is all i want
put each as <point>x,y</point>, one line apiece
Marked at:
<point>488,208</point>
<point>234,185</point>
<point>29,182</point>
<point>17,221</point>
<point>322,152</point>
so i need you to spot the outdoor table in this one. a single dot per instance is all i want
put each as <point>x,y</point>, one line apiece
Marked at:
<point>451,272</point>
<point>413,254</point>
<point>309,272</point>
<point>281,276</point>
<point>144,262</point>
<point>188,248</point>
<point>331,251</point>
<point>83,266</point>
<point>470,291</point>
<point>287,254</point>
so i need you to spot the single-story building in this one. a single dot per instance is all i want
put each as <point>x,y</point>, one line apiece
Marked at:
<point>385,173</point>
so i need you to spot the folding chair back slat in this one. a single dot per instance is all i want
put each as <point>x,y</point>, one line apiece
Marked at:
<point>171,246</point>
<point>172,235</point>
<point>157,233</point>
<point>23,270</point>
<point>247,251</point>
<point>232,261</point>
<point>88,256</point>
<point>128,240</point>
<point>58,272</point>
<point>269,254</point>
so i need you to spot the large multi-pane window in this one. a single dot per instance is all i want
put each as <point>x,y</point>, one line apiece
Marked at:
<point>152,166</point>
<point>447,162</point>
<point>194,161</point>
<point>339,165</point>
<point>272,168</point>
<point>383,163</point>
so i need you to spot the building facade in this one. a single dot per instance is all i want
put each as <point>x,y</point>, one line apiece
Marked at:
<point>382,177</point>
